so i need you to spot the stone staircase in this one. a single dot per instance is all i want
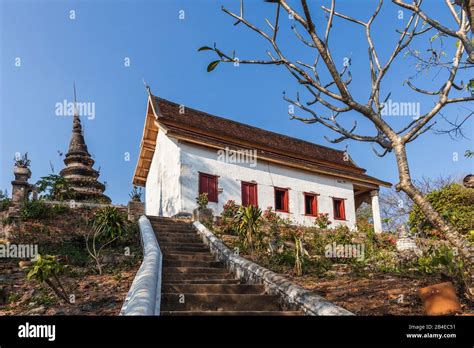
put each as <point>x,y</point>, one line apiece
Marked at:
<point>194,283</point>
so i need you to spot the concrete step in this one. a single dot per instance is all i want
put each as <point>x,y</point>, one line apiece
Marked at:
<point>194,283</point>
<point>180,234</point>
<point>173,229</point>
<point>233,313</point>
<point>193,245</point>
<point>189,256</point>
<point>175,247</point>
<point>179,239</point>
<point>191,263</point>
<point>201,281</point>
<point>192,270</point>
<point>171,224</point>
<point>170,277</point>
<point>219,302</point>
<point>167,220</point>
<point>213,289</point>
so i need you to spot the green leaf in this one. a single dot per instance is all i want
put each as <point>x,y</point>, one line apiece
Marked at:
<point>204,48</point>
<point>212,65</point>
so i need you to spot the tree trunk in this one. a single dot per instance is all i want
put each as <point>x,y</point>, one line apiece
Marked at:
<point>452,236</point>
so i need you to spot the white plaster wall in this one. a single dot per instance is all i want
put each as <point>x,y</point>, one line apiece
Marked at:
<point>196,159</point>
<point>162,195</point>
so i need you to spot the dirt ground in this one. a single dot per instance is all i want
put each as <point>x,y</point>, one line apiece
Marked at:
<point>376,294</point>
<point>92,294</point>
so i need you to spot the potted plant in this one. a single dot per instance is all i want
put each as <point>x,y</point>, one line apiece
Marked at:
<point>202,212</point>
<point>136,194</point>
<point>22,168</point>
<point>136,207</point>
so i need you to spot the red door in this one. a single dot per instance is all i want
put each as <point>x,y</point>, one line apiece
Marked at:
<point>249,194</point>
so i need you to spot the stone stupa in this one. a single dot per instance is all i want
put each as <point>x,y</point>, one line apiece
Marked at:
<point>82,178</point>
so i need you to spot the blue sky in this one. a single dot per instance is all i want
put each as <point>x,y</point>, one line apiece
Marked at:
<point>91,49</point>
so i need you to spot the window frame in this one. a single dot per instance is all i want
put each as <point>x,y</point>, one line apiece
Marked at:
<point>315,203</point>
<point>286,200</point>
<point>216,185</point>
<point>342,200</point>
<point>248,183</point>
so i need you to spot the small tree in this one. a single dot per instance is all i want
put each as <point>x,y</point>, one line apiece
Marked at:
<point>46,269</point>
<point>108,225</point>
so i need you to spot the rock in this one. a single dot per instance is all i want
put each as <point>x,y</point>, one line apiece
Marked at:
<point>113,259</point>
<point>24,264</point>
<point>86,308</point>
<point>36,311</point>
<point>440,299</point>
<point>406,244</point>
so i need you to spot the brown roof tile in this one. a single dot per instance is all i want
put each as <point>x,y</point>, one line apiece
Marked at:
<point>222,129</point>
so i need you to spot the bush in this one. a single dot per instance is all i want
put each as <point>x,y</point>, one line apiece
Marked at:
<point>38,210</point>
<point>441,259</point>
<point>46,269</point>
<point>227,223</point>
<point>454,202</point>
<point>322,220</point>
<point>202,200</point>
<point>35,210</point>
<point>4,202</point>
<point>55,187</point>
<point>248,220</point>
<point>109,223</point>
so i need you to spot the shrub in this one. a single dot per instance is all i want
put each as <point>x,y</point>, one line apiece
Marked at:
<point>36,210</point>
<point>55,187</point>
<point>248,220</point>
<point>322,220</point>
<point>440,258</point>
<point>4,201</point>
<point>230,209</point>
<point>454,202</point>
<point>109,223</point>
<point>46,269</point>
<point>227,223</point>
<point>202,200</point>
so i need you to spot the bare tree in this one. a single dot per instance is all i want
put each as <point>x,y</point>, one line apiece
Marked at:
<point>396,205</point>
<point>334,96</point>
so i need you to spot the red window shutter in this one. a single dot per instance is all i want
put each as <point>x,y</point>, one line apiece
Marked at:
<point>339,209</point>
<point>281,200</point>
<point>208,184</point>
<point>310,204</point>
<point>253,195</point>
<point>249,194</point>
<point>342,212</point>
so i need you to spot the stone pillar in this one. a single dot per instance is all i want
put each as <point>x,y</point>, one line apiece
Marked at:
<point>135,210</point>
<point>20,186</point>
<point>376,211</point>
<point>20,190</point>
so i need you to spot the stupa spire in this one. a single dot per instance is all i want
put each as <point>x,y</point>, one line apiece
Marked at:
<point>78,171</point>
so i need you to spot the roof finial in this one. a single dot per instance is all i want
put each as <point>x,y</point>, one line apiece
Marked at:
<point>148,89</point>
<point>75,100</point>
